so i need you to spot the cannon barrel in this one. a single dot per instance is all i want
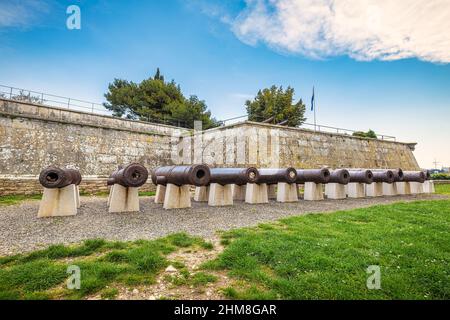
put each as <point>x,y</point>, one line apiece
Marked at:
<point>383,176</point>
<point>361,176</point>
<point>398,173</point>
<point>53,177</point>
<point>414,176</point>
<point>341,176</point>
<point>427,174</point>
<point>313,175</point>
<point>197,175</point>
<point>275,175</point>
<point>238,176</point>
<point>131,176</point>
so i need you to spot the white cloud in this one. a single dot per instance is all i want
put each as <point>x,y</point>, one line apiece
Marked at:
<point>20,13</point>
<point>362,29</point>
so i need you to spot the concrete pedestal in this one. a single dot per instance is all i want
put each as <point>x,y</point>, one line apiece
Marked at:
<point>287,192</point>
<point>239,192</point>
<point>160,193</point>
<point>389,189</point>
<point>201,194</point>
<point>256,193</point>
<point>177,197</point>
<point>335,191</point>
<point>416,187</point>
<point>272,191</point>
<point>58,202</point>
<point>77,196</point>
<point>428,187</point>
<point>313,191</point>
<point>403,188</point>
<point>356,190</point>
<point>220,195</point>
<point>123,199</point>
<point>374,189</point>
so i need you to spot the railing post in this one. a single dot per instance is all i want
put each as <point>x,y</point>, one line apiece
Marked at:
<point>92,107</point>
<point>68,103</point>
<point>42,98</point>
<point>10,93</point>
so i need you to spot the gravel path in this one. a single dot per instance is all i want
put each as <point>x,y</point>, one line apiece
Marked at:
<point>21,230</point>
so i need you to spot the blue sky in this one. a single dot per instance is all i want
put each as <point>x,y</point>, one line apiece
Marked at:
<point>398,84</point>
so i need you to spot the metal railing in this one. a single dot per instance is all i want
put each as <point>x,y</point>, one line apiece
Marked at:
<point>52,100</point>
<point>315,127</point>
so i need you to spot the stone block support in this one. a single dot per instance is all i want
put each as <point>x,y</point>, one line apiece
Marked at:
<point>59,202</point>
<point>123,199</point>
<point>403,188</point>
<point>160,193</point>
<point>239,192</point>
<point>256,193</point>
<point>77,196</point>
<point>201,194</point>
<point>220,195</point>
<point>313,191</point>
<point>389,189</point>
<point>374,189</point>
<point>416,187</point>
<point>335,191</point>
<point>272,191</point>
<point>177,197</point>
<point>428,186</point>
<point>287,192</point>
<point>356,190</point>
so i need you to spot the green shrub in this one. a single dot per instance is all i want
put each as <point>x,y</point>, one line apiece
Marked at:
<point>440,176</point>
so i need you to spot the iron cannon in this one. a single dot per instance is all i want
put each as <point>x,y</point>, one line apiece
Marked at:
<point>313,175</point>
<point>386,176</point>
<point>414,176</point>
<point>398,173</point>
<point>131,176</point>
<point>238,176</point>
<point>275,175</point>
<point>341,176</point>
<point>53,177</point>
<point>361,176</point>
<point>197,175</point>
<point>427,174</point>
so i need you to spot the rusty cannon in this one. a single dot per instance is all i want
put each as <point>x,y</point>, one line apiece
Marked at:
<point>415,182</point>
<point>131,176</point>
<point>335,188</point>
<point>273,183</point>
<point>61,195</point>
<point>124,182</point>
<point>383,180</point>
<point>226,185</point>
<point>313,179</point>
<point>414,176</point>
<point>358,179</point>
<point>173,184</point>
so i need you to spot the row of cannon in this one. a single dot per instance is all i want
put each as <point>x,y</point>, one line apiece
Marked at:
<point>221,186</point>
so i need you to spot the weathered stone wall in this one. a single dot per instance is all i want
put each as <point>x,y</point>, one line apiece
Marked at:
<point>265,145</point>
<point>34,136</point>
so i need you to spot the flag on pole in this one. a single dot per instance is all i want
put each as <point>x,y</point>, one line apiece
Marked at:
<point>312,100</point>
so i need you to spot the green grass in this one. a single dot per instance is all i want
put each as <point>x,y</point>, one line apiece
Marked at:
<point>42,274</point>
<point>147,193</point>
<point>16,199</point>
<point>325,256</point>
<point>442,188</point>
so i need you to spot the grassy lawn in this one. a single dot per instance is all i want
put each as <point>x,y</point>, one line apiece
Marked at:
<point>317,256</point>
<point>442,188</point>
<point>325,256</point>
<point>43,274</point>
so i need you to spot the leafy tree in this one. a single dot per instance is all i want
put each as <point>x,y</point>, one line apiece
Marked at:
<point>278,104</point>
<point>368,134</point>
<point>156,100</point>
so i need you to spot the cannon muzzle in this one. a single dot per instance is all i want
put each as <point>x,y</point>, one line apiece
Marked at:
<point>197,175</point>
<point>414,176</point>
<point>313,175</point>
<point>361,176</point>
<point>53,177</point>
<point>131,176</point>
<point>386,176</point>
<point>427,174</point>
<point>238,176</point>
<point>341,176</point>
<point>275,175</point>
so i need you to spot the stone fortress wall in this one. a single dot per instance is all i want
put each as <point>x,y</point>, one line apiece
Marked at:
<point>34,136</point>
